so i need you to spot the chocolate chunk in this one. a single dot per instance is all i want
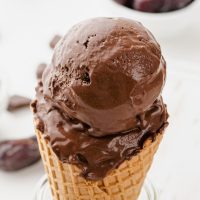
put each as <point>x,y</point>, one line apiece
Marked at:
<point>16,102</point>
<point>54,41</point>
<point>40,69</point>
<point>18,154</point>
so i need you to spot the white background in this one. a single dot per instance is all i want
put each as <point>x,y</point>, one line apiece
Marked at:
<point>26,27</point>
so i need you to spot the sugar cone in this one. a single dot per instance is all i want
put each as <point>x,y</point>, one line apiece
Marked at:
<point>124,183</point>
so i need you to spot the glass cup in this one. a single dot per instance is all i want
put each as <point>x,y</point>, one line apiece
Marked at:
<point>43,191</point>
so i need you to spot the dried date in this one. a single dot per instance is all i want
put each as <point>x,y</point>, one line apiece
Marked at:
<point>17,102</point>
<point>40,69</point>
<point>54,41</point>
<point>18,154</point>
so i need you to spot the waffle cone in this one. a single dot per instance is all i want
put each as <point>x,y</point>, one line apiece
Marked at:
<point>123,183</point>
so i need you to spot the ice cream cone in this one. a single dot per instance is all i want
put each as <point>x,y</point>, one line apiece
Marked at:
<point>123,183</point>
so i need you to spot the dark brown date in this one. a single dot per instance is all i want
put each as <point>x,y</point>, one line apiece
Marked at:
<point>54,41</point>
<point>40,69</point>
<point>16,102</point>
<point>18,154</point>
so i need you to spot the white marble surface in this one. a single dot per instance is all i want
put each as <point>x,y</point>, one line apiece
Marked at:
<point>26,26</point>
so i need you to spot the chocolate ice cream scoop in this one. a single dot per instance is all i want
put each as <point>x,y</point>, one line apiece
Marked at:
<point>105,72</point>
<point>99,100</point>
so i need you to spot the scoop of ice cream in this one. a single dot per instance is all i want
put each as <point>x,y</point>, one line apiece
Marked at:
<point>105,78</point>
<point>105,72</point>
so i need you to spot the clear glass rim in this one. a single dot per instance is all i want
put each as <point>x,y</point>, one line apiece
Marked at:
<point>42,190</point>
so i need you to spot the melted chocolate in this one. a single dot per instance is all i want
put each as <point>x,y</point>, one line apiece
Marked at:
<point>96,157</point>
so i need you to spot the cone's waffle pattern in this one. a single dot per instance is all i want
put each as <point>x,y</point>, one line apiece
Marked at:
<point>123,183</point>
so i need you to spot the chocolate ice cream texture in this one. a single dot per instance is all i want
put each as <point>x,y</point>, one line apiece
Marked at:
<point>100,99</point>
